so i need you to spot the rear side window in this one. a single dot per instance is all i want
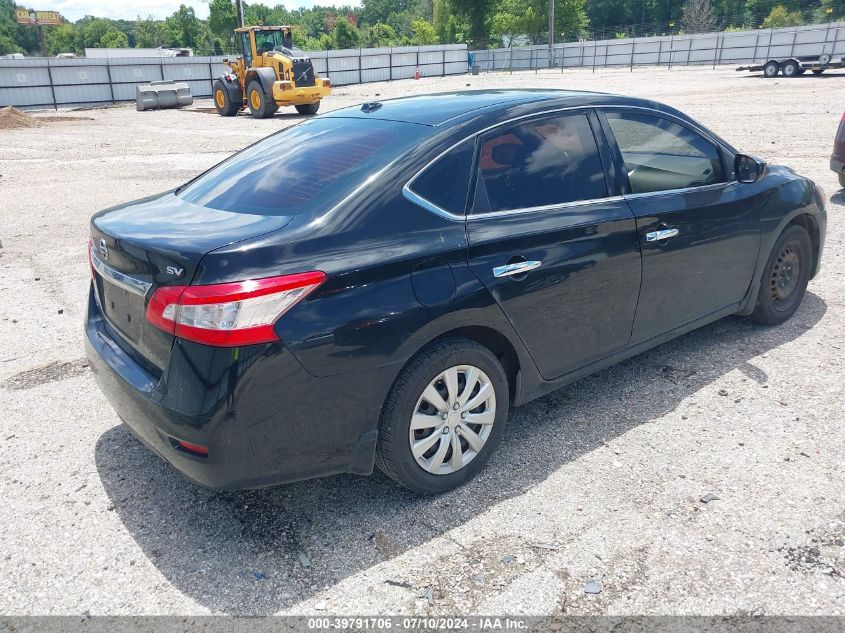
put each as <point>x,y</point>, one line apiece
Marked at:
<point>446,182</point>
<point>546,161</point>
<point>312,165</point>
<point>661,155</point>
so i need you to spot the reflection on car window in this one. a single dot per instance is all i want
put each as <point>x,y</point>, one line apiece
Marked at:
<point>660,155</point>
<point>314,163</point>
<point>548,161</point>
<point>446,182</point>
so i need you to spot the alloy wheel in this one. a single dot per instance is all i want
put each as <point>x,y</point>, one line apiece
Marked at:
<point>452,420</point>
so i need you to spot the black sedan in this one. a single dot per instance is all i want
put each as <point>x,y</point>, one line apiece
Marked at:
<point>384,283</point>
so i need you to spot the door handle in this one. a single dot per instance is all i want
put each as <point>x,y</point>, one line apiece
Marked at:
<point>662,234</point>
<point>516,268</point>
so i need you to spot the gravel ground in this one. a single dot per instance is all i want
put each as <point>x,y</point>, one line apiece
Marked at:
<point>599,481</point>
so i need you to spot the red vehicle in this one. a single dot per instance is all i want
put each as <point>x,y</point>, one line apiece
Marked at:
<point>837,159</point>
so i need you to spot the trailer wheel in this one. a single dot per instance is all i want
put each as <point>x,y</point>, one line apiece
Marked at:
<point>791,68</point>
<point>818,71</point>
<point>771,69</point>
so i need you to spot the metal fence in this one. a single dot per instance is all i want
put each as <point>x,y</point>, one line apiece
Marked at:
<point>740,47</point>
<point>43,82</point>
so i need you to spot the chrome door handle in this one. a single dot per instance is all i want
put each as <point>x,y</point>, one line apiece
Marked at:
<point>662,234</point>
<point>515,269</point>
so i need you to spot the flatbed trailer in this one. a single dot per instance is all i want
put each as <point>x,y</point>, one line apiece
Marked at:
<point>796,66</point>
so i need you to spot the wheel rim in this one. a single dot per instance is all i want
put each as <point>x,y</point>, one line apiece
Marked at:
<point>785,274</point>
<point>219,99</point>
<point>771,71</point>
<point>452,420</point>
<point>255,100</point>
<point>789,70</point>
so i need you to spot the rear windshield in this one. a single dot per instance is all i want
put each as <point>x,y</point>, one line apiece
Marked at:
<point>312,164</point>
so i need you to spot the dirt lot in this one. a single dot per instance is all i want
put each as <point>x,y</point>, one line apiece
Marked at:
<point>601,480</point>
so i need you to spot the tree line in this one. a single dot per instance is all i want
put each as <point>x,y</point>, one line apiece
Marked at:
<point>377,23</point>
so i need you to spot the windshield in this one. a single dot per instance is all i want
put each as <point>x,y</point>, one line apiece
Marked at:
<point>311,165</point>
<point>266,41</point>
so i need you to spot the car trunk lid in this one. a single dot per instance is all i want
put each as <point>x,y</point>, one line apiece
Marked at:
<point>159,241</point>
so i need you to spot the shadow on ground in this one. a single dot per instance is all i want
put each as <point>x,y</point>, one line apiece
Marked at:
<point>262,551</point>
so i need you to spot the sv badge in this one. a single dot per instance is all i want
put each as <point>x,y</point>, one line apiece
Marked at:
<point>173,270</point>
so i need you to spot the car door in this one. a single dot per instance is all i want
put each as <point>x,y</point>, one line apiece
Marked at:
<point>699,229</point>
<point>551,240</point>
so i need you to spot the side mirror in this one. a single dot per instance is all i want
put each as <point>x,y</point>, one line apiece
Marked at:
<point>749,168</point>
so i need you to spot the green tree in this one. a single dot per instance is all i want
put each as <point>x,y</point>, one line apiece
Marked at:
<point>423,33</point>
<point>780,16</point>
<point>183,29</point>
<point>222,20</point>
<point>379,35</point>
<point>512,18</point>
<point>344,34</point>
<point>255,14</point>
<point>149,33</point>
<point>113,38</point>
<point>63,39</point>
<point>475,12</point>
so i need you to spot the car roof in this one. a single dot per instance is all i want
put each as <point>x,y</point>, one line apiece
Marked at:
<point>441,108</point>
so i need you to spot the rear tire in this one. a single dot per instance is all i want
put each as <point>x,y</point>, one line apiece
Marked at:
<point>450,450</point>
<point>308,108</point>
<point>260,105</point>
<point>785,277</point>
<point>790,69</point>
<point>771,70</point>
<point>223,100</point>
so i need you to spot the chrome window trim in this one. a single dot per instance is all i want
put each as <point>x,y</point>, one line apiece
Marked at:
<point>427,204</point>
<point>417,199</point>
<point>130,284</point>
<point>547,207</point>
<point>682,190</point>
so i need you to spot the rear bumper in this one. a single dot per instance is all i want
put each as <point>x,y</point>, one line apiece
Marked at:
<point>264,419</point>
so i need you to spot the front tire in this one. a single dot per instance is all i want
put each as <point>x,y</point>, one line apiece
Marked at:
<point>443,417</point>
<point>223,100</point>
<point>785,277</point>
<point>308,108</point>
<point>260,105</point>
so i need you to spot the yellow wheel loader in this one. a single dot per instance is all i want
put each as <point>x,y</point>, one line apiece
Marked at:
<point>269,73</point>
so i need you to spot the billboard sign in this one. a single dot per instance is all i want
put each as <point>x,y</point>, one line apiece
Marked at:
<point>38,18</point>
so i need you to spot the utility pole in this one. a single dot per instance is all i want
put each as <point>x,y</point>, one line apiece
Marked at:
<point>239,7</point>
<point>551,33</point>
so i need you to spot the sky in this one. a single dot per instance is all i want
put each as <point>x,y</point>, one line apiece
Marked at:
<point>160,9</point>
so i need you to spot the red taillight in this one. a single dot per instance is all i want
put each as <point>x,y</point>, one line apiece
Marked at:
<point>228,315</point>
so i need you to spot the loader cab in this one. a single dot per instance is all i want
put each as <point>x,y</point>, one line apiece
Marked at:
<point>255,41</point>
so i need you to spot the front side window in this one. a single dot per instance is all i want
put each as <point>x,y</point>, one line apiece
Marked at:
<point>546,161</point>
<point>661,155</point>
